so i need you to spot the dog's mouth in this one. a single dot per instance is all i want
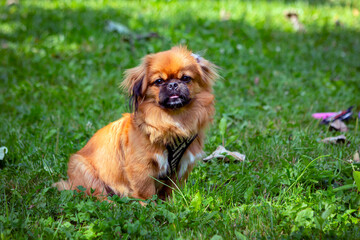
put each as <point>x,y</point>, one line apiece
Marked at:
<point>174,95</point>
<point>175,101</point>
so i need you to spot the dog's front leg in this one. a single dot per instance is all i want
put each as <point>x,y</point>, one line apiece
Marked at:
<point>144,190</point>
<point>166,191</point>
<point>142,184</point>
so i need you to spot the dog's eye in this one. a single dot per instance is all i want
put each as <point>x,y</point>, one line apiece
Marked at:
<point>158,81</point>
<point>186,78</point>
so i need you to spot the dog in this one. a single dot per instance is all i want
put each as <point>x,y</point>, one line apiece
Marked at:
<point>148,151</point>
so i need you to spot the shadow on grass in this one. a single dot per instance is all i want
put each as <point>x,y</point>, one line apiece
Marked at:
<point>342,3</point>
<point>38,35</point>
<point>64,57</point>
<point>74,41</point>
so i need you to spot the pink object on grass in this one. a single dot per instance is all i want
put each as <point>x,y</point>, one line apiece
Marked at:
<point>323,115</point>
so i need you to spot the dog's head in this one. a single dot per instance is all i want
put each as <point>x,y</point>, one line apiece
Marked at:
<point>169,79</point>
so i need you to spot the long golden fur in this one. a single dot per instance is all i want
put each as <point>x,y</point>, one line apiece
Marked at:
<point>126,156</point>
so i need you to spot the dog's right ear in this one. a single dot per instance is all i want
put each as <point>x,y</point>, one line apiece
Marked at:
<point>135,84</point>
<point>209,71</point>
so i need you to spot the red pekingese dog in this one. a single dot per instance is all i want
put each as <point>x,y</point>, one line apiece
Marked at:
<point>146,152</point>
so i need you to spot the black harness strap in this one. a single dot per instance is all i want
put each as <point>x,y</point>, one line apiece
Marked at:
<point>176,151</point>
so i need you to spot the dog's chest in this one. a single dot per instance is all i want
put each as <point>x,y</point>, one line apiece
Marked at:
<point>174,160</point>
<point>164,164</point>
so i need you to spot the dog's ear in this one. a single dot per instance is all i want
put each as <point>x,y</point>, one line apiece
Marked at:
<point>208,70</point>
<point>135,84</point>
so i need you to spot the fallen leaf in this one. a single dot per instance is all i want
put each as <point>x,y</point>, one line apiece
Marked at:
<point>355,12</point>
<point>338,125</point>
<point>221,153</point>
<point>12,2</point>
<point>127,33</point>
<point>3,151</point>
<point>224,15</point>
<point>335,140</point>
<point>294,19</point>
<point>117,27</point>
<point>356,157</point>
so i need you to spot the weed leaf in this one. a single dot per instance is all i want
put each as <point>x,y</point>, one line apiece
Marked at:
<point>356,175</point>
<point>240,236</point>
<point>249,192</point>
<point>217,237</point>
<point>327,212</point>
<point>305,217</point>
<point>222,126</point>
<point>51,133</point>
<point>196,202</point>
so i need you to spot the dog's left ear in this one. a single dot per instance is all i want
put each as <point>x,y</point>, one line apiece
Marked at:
<point>208,70</point>
<point>135,84</point>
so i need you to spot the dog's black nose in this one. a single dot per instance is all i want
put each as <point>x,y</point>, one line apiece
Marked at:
<point>172,86</point>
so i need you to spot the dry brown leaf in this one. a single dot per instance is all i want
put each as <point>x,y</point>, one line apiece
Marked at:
<point>3,152</point>
<point>335,140</point>
<point>11,2</point>
<point>355,12</point>
<point>224,15</point>
<point>338,125</point>
<point>221,153</point>
<point>356,157</point>
<point>294,19</point>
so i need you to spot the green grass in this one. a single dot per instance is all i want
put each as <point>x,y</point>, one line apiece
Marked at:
<point>59,77</point>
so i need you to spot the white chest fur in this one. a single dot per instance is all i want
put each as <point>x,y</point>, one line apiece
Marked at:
<point>188,159</point>
<point>163,163</point>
